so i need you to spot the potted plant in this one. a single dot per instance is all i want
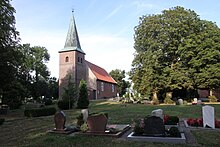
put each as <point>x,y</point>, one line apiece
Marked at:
<point>97,122</point>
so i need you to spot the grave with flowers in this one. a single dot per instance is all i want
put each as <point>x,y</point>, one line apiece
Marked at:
<point>158,128</point>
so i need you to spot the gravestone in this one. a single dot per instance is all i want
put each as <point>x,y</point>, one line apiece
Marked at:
<point>154,126</point>
<point>85,114</point>
<point>180,101</point>
<point>208,116</point>
<point>158,113</point>
<point>60,119</point>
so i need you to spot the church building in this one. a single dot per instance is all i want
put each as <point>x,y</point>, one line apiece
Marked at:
<point>72,64</point>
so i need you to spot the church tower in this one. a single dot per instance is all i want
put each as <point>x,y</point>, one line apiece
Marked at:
<point>71,59</point>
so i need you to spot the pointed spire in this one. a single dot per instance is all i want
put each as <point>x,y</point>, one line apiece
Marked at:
<point>72,38</point>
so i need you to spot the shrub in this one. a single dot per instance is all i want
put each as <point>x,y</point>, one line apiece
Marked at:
<point>65,104</point>
<point>138,127</point>
<point>212,98</point>
<point>2,121</point>
<point>80,120</point>
<point>48,102</point>
<point>171,120</point>
<point>39,112</point>
<point>83,101</point>
<point>184,102</point>
<point>174,132</point>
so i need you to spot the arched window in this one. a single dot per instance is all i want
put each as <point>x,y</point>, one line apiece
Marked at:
<point>81,60</point>
<point>67,59</point>
<point>78,59</point>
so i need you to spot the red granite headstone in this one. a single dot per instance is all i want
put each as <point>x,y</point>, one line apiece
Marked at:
<point>60,120</point>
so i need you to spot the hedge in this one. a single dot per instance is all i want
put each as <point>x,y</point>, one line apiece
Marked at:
<point>39,112</point>
<point>1,121</point>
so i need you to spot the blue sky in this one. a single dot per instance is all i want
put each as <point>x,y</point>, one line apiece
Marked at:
<point>105,27</point>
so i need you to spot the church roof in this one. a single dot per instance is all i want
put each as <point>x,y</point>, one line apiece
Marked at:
<point>100,73</point>
<point>72,39</point>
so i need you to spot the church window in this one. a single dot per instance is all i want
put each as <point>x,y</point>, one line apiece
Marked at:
<point>102,86</point>
<point>78,59</point>
<point>67,59</point>
<point>81,60</point>
<point>113,88</point>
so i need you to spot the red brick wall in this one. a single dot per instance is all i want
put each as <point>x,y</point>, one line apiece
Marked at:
<point>73,67</point>
<point>107,93</point>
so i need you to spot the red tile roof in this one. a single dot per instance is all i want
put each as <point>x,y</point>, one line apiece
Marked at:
<point>100,73</point>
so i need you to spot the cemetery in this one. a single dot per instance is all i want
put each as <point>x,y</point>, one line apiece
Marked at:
<point>135,124</point>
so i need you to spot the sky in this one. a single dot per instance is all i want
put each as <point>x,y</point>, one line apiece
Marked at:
<point>105,27</point>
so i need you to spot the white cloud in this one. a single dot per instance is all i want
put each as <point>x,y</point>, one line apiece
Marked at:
<point>107,51</point>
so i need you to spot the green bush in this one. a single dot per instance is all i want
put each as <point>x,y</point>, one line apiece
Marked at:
<point>39,112</point>
<point>65,105</point>
<point>80,120</point>
<point>48,102</point>
<point>2,121</point>
<point>172,120</point>
<point>168,100</point>
<point>212,98</point>
<point>83,101</point>
<point>174,132</point>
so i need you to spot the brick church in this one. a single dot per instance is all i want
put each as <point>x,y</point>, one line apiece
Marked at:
<point>72,64</point>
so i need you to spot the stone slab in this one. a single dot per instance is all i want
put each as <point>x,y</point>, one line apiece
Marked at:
<point>174,140</point>
<point>122,129</point>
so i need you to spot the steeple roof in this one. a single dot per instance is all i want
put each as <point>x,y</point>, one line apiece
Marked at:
<point>72,39</point>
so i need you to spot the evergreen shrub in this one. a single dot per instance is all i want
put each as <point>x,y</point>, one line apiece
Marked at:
<point>40,112</point>
<point>2,121</point>
<point>65,104</point>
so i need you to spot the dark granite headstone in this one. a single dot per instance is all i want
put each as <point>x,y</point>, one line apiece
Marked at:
<point>60,120</point>
<point>154,126</point>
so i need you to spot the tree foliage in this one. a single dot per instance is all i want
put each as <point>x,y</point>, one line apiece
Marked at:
<point>119,76</point>
<point>23,68</point>
<point>83,101</point>
<point>70,92</point>
<point>175,50</point>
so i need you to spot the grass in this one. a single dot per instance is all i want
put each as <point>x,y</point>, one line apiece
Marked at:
<point>20,131</point>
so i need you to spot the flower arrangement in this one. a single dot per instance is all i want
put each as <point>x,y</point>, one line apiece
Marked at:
<point>198,122</point>
<point>170,120</point>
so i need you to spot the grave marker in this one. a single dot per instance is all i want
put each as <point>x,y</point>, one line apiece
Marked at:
<point>208,116</point>
<point>154,126</point>
<point>60,119</point>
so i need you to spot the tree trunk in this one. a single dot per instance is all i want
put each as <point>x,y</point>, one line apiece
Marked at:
<point>210,92</point>
<point>154,95</point>
<point>169,94</point>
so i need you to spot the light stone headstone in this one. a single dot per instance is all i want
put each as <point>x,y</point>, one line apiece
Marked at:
<point>199,102</point>
<point>195,100</point>
<point>208,116</point>
<point>180,101</point>
<point>158,113</point>
<point>85,114</point>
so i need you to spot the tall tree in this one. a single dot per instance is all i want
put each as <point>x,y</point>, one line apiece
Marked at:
<point>119,76</point>
<point>166,47</point>
<point>8,53</point>
<point>33,68</point>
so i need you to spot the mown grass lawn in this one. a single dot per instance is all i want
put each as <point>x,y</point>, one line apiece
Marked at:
<point>21,131</point>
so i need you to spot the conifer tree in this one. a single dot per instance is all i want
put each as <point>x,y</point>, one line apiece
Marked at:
<point>83,101</point>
